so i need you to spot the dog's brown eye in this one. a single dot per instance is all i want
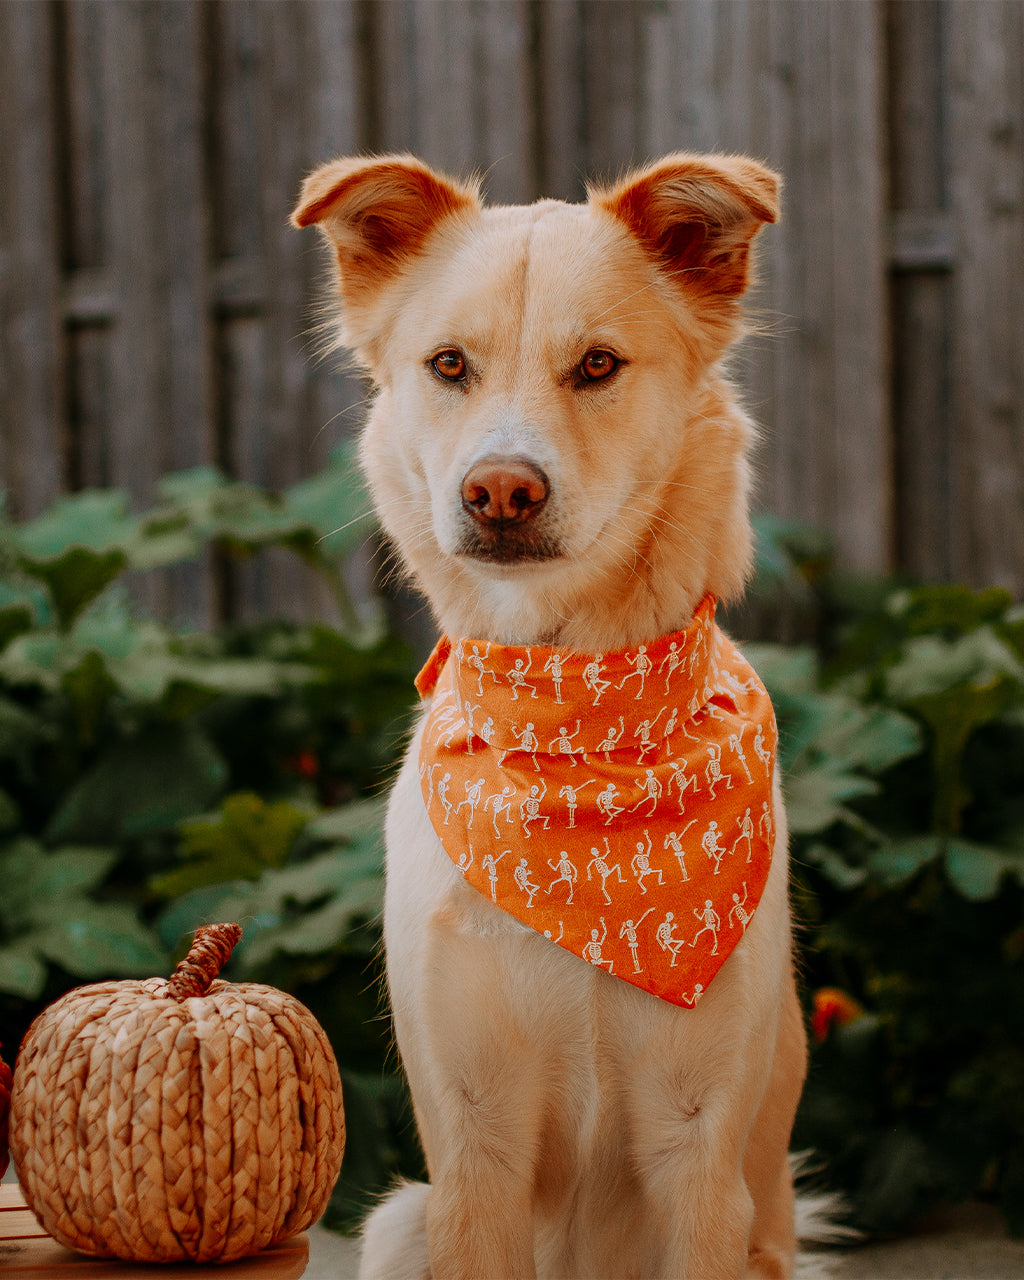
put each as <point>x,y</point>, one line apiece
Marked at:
<point>450,365</point>
<point>597,365</point>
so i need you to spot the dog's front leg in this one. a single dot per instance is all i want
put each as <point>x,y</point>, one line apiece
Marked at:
<point>475,1069</point>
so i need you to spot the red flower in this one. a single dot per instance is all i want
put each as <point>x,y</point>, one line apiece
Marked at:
<point>6,1080</point>
<point>304,763</point>
<point>832,1006</point>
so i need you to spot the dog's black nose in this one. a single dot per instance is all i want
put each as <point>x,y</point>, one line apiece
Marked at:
<point>504,490</point>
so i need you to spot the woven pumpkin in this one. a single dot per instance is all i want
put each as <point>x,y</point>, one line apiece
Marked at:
<point>181,1118</point>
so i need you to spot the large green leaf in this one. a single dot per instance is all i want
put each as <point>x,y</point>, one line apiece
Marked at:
<point>76,577</point>
<point>898,861</point>
<point>953,715</point>
<point>932,666</point>
<point>77,547</point>
<point>977,870</point>
<point>869,738</point>
<point>101,939</point>
<point>143,784</point>
<point>248,836</point>
<point>97,519</point>
<point>334,503</point>
<point>815,795</point>
<point>38,883</point>
<point>22,972</point>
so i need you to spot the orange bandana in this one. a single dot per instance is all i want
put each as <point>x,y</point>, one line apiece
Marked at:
<point>620,804</point>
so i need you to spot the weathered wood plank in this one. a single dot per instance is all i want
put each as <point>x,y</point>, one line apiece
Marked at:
<point>612,138</point>
<point>32,356</point>
<point>559,58</point>
<point>857,160</point>
<point>922,252</point>
<point>160,381</point>
<point>985,44</point>
<point>507,116</point>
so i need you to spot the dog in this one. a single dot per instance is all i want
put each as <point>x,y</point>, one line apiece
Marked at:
<point>563,465</point>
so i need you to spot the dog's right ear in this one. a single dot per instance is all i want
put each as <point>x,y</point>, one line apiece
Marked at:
<point>377,212</point>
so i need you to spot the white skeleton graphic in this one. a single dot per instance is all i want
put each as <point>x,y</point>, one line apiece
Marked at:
<point>739,909</point>
<point>476,662</point>
<point>628,931</point>
<point>766,824</point>
<point>665,938</point>
<point>641,864</point>
<point>603,869</point>
<point>746,826</point>
<point>698,991</point>
<point>564,740</point>
<point>474,790</point>
<point>642,667</point>
<point>566,869</point>
<point>570,795</point>
<point>490,862</point>
<point>428,773</point>
<point>561,931</point>
<point>528,743</point>
<point>442,795</point>
<point>680,782</point>
<point>465,862</point>
<point>652,789</point>
<point>612,738</point>
<point>674,841</point>
<point>672,659</point>
<point>529,810</point>
<point>760,749</point>
<point>517,678</point>
<point>736,746</point>
<point>643,732</point>
<point>606,803</point>
<point>592,678</point>
<point>714,772</point>
<point>554,665</point>
<point>592,951</point>
<point>521,876</point>
<point>712,923</point>
<point>447,732</point>
<point>709,843</point>
<point>502,802</point>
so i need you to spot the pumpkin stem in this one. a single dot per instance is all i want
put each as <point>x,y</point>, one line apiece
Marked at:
<point>210,948</point>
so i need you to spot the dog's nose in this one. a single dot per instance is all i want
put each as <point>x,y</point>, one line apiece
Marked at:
<point>504,490</point>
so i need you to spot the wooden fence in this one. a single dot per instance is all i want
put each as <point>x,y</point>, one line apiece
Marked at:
<point>155,301</point>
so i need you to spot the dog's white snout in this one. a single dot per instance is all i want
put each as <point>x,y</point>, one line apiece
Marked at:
<point>503,489</point>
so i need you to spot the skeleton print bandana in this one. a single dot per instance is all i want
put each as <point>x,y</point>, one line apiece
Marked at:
<point>619,803</point>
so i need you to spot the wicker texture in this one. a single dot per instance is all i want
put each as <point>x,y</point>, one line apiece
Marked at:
<point>188,1118</point>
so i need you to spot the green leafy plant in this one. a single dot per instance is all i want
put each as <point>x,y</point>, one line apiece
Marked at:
<point>902,743</point>
<point>153,778</point>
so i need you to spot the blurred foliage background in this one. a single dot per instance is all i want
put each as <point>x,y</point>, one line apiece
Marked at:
<point>154,779</point>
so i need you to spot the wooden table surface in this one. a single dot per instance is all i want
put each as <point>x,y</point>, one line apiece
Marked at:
<point>28,1253</point>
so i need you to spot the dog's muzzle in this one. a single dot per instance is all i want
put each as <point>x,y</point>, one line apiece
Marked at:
<point>505,498</point>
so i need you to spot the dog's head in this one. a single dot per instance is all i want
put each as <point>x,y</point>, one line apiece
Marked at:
<point>552,446</point>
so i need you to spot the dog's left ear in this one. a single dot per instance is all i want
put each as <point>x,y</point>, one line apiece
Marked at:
<point>697,215</point>
<point>377,214</point>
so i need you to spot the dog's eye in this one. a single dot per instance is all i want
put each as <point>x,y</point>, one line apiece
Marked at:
<point>598,365</point>
<point>450,365</point>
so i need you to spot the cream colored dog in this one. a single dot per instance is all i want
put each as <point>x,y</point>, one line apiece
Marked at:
<point>559,458</point>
